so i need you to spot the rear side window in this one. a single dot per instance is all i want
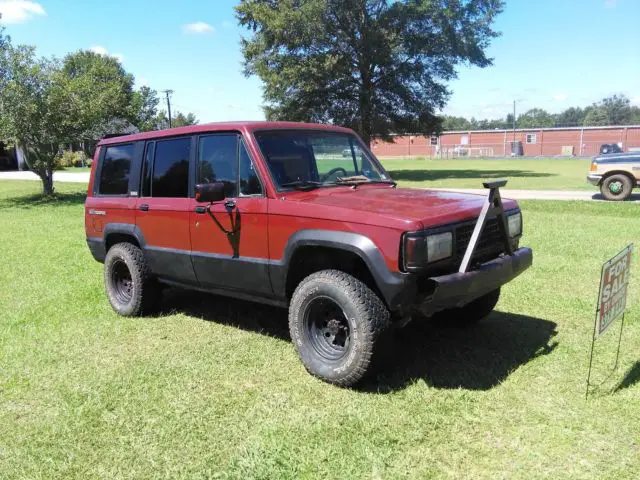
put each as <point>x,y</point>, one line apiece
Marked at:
<point>116,166</point>
<point>170,174</point>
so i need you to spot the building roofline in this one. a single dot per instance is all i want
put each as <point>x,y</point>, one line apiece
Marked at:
<point>542,129</point>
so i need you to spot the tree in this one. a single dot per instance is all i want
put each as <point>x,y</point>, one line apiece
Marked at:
<point>178,120</point>
<point>455,123</point>
<point>46,103</point>
<point>376,66</point>
<point>617,108</point>
<point>144,109</point>
<point>596,116</point>
<point>571,117</point>
<point>536,118</point>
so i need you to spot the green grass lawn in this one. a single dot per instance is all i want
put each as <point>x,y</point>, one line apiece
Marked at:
<point>529,174</point>
<point>212,387</point>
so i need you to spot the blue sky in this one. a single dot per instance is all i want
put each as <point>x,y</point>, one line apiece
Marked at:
<point>552,53</point>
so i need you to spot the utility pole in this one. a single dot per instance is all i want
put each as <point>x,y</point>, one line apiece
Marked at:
<point>168,94</point>
<point>514,120</point>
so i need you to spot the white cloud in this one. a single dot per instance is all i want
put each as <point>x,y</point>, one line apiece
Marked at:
<point>197,27</point>
<point>19,11</point>
<point>100,50</point>
<point>610,3</point>
<point>560,97</point>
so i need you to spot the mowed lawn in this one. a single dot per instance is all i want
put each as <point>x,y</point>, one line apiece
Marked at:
<point>213,388</point>
<point>525,174</point>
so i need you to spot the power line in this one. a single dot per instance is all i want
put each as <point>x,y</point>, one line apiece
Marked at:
<point>168,94</point>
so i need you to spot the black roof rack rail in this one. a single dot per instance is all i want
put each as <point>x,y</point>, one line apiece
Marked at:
<point>111,135</point>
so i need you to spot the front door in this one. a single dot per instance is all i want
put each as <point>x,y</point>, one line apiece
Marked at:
<point>162,210</point>
<point>229,239</point>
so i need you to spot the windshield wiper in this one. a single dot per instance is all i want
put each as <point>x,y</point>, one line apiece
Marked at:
<point>356,180</point>
<point>302,184</point>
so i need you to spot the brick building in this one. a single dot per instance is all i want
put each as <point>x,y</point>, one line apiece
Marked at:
<point>536,142</point>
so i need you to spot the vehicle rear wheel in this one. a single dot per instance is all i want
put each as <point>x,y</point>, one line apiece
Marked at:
<point>131,289</point>
<point>472,312</point>
<point>616,187</point>
<point>337,324</point>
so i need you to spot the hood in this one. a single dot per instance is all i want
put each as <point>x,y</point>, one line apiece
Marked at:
<point>407,208</point>
<point>618,157</point>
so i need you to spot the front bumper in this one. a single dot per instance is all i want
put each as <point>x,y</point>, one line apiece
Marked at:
<point>594,179</point>
<point>458,289</point>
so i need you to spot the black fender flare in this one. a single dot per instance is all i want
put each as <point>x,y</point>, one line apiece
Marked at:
<point>390,284</point>
<point>98,245</point>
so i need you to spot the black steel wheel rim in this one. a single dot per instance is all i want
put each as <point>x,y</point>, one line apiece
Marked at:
<point>122,281</point>
<point>327,328</point>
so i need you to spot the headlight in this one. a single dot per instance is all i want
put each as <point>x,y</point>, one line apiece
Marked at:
<point>419,250</point>
<point>515,224</point>
<point>439,246</point>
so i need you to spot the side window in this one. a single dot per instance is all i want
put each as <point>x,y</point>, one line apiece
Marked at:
<point>249,181</point>
<point>170,177</point>
<point>116,166</point>
<point>218,161</point>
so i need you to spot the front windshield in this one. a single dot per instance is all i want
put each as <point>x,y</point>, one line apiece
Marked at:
<point>317,158</point>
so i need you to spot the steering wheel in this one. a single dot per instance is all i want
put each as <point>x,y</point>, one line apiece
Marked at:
<point>331,172</point>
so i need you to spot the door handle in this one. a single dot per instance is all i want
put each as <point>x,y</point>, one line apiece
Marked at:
<point>201,210</point>
<point>230,204</point>
<point>144,207</point>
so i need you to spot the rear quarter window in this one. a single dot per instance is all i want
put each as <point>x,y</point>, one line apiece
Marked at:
<point>115,170</point>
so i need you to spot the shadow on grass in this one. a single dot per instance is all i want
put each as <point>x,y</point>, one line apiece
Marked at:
<point>631,378</point>
<point>474,358</point>
<point>479,357</point>
<point>438,174</point>
<point>249,316</point>
<point>635,197</point>
<point>38,200</point>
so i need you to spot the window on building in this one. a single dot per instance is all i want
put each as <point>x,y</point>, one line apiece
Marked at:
<point>218,162</point>
<point>464,140</point>
<point>249,180</point>
<point>170,177</point>
<point>531,138</point>
<point>434,141</point>
<point>116,166</point>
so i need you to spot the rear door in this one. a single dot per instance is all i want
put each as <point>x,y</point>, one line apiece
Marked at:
<point>229,240</point>
<point>162,209</point>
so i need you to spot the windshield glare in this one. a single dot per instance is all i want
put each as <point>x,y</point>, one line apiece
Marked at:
<point>299,157</point>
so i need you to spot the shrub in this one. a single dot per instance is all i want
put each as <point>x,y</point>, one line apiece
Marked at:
<point>72,159</point>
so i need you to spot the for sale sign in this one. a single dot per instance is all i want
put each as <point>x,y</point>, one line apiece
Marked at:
<point>613,289</point>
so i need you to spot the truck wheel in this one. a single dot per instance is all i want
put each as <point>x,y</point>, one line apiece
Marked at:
<point>616,187</point>
<point>336,324</point>
<point>472,312</point>
<point>131,289</point>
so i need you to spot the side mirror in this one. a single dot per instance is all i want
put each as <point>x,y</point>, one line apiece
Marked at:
<point>210,192</point>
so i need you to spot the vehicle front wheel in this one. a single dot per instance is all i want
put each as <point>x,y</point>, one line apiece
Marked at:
<point>131,289</point>
<point>472,312</point>
<point>337,324</point>
<point>616,187</point>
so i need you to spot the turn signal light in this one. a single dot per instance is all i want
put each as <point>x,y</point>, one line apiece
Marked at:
<point>594,167</point>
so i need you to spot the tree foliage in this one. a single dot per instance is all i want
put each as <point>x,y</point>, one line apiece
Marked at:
<point>178,120</point>
<point>372,65</point>
<point>613,110</point>
<point>46,103</point>
<point>144,109</point>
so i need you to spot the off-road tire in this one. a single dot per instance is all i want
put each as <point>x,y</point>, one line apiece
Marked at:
<point>471,313</point>
<point>144,294</point>
<point>625,192</point>
<point>367,317</point>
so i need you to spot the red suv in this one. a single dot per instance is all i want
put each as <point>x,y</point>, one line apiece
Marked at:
<point>298,215</point>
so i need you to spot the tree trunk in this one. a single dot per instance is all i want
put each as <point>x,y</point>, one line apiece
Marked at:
<point>47,182</point>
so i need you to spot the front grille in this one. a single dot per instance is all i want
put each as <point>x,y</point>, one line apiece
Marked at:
<point>490,244</point>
